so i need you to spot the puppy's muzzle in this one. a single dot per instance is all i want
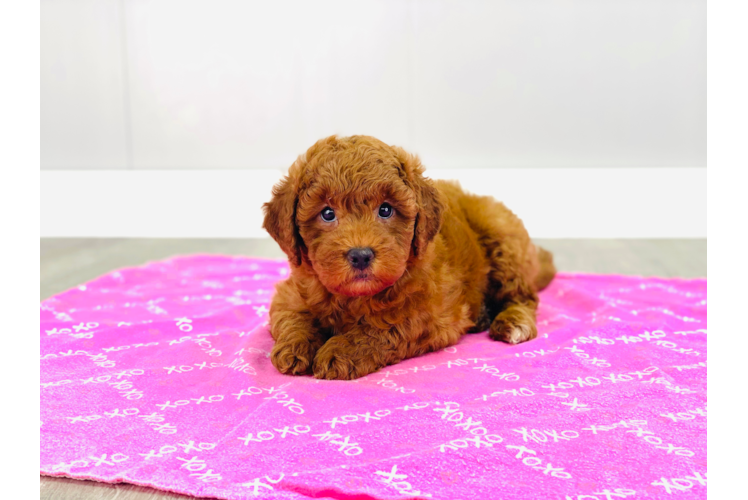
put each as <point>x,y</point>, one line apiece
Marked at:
<point>360,258</point>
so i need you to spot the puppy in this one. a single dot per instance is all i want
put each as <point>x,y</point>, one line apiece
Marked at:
<point>387,264</point>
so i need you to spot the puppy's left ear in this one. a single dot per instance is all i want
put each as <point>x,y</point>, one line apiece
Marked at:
<point>430,204</point>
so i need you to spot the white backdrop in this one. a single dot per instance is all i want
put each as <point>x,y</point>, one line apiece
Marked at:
<point>467,84</point>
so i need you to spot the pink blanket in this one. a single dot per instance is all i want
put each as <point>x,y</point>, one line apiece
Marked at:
<point>159,375</point>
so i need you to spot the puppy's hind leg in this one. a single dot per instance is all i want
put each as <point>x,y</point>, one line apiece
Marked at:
<point>518,269</point>
<point>514,292</point>
<point>515,300</point>
<point>516,323</point>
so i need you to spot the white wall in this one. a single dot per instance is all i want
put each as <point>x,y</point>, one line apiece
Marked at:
<point>84,121</point>
<point>178,84</point>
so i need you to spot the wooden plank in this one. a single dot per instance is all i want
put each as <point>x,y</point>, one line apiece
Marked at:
<point>63,488</point>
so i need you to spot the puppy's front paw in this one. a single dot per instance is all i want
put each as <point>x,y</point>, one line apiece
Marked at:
<point>513,327</point>
<point>339,359</point>
<point>294,356</point>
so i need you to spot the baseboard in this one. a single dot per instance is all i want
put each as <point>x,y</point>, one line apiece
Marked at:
<point>553,203</point>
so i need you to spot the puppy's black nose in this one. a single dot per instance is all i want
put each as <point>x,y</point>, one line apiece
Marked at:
<point>360,258</point>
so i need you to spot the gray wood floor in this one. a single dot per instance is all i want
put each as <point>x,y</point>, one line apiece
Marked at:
<point>66,263</point>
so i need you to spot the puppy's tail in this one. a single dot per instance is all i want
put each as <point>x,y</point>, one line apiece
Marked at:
<point>547,269</point>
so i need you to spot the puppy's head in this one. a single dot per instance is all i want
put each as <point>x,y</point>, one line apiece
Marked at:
<point>355,210</point>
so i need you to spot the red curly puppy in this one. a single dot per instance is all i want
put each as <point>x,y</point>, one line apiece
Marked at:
<point>387,265</point>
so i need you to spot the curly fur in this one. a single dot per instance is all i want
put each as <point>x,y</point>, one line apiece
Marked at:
<point>445,264</point>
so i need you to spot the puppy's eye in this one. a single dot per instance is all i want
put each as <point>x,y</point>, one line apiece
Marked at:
<point>386,210</point>
<point>327,214</point>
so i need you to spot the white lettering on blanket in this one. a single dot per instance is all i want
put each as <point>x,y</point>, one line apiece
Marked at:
<point>124,347</point>
<point>186,368</point>
<point>91,461</point>
<point>346,446</point>
<point>494,372</point>
<point>593,339</point>
<point>242,366</point>
<point>284,399</point>
<point>687,415</point>
<point>110,414</point>
<point>79,331</point>
<point>59,316</point>
<point>577,406</point>
<point>462,362</point>
<point>668,385</point>
<point>700,364</point>
<point>267,435</point>
<point>182,402</point>
<point>580,353</point>
<point>522,391</point>
<point>535,462</point>
<point>539,352</point>
<point>186,447</point>
<point>257,483</point>
<point>538,436</point>
<point>154,419</point>
<point>397,480</point>
<point>593,428</point>
<point>98,359</point>
<point>656,335</point>
<point>125,387</point>
<point>364,417</point>
<point>404,371</point>
<point>54,384</point>
<point>480,436</point>
<point>682,483</point>
<point>281,397</point>
<point>184,324</point>
<point>195,465</point>
<point>253,350</point>
<point>594,381</point>
<point>204,344</point>
<point>657,442</point>
<point>260,310</point>
<point>605,494</point>
<point>389,384</point>
<point>691,332</point>
<point>197,468</point>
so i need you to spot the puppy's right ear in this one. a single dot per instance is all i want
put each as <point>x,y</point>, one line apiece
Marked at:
<point>280,214</point>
